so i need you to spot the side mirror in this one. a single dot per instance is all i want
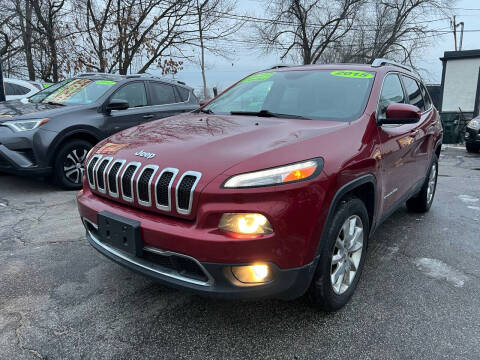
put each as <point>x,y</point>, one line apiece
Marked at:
<point>401,114</point>
<point>117,104</point>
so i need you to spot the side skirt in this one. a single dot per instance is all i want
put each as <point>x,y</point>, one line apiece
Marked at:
<point>398,204</point>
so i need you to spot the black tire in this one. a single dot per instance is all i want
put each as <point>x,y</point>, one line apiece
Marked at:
<point>67,158</point>
<point>422,202</point>
<point>321,292</point>
<point>472,148</point>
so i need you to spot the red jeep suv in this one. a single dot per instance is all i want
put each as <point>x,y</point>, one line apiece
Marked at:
<point>273,188</point>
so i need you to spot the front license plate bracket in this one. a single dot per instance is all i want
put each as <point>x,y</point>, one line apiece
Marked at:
<point>120,232</point>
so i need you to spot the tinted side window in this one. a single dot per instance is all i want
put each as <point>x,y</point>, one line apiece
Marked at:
<point>134,93</point>
<point>9,90</point>
<point>20,90</point>
<point>392,93</point>
<point>184,93</point>
<point>14,89</point>
<point>162,94</point>
<point>413,92</point>
<point>426,97</point>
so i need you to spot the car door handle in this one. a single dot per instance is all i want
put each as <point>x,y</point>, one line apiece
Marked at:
<point>147,116</point>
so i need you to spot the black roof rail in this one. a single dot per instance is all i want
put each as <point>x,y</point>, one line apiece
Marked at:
<point>279,66</point>
<point>148,75</point>
<point>383,62</point>
<point>96,73</point>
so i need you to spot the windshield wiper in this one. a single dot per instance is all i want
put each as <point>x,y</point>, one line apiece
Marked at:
<point>207,111</point>
<point>54,103</point>
<point>268,113</point>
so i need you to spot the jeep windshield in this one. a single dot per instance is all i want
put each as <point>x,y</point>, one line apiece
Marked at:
<point>339,95</point>
<point>79,91</point>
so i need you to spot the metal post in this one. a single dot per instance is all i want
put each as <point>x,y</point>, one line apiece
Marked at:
<point>455,31</point>
<point>462,24</point>
<point>2,87</point>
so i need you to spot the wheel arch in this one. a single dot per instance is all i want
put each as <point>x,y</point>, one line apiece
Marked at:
<point>74,134</point>
<point>438,148</point>
<point>364,188</point>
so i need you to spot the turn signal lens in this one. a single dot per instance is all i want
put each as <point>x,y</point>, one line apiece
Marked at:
<point>245,223</point>
<point>299,174</point>
<point>257,273</point>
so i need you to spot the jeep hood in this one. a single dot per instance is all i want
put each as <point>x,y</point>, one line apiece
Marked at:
<point>212,144</point>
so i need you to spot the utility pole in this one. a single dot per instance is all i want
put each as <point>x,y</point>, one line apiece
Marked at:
<point>455,25</point>
<point>455,30</point>
<point>462,25</point>
<point>2,87</point>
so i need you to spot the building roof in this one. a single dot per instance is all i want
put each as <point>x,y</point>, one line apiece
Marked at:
<point>455,55</point>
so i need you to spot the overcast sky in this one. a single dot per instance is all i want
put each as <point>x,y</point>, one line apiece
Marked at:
<point>222,72</point>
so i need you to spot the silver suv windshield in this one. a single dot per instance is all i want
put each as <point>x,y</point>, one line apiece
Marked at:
<point>79,91</point>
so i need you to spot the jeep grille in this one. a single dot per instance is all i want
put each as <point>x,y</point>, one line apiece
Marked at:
<point>152,187</point>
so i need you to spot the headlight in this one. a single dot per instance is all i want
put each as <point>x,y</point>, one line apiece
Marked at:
<point>279,175</point>
<point>474,124</point>
<point>25,125</point>
<point>245,223</point>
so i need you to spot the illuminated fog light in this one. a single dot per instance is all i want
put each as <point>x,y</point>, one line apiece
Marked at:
<point>245,223</point>
<point>257,273</point>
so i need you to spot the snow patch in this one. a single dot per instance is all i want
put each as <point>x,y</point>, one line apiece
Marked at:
<point>474,207</point>
<point>441,271</point>
<point>468,198</point>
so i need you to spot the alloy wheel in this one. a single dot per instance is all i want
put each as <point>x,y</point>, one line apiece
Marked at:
<point>73,165</point>
<point>347,253</point>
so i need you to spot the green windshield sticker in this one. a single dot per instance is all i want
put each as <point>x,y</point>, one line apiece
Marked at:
<point>105,82</point>
<point>352,74</point>
<point>258,77</point>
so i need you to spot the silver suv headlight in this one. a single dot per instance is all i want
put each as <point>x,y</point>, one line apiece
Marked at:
<point>25,125</point>
<point>474,124</point>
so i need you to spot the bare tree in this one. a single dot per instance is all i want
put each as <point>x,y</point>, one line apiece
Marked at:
<point>396,29</point>
<point>48,13</point>
<point>213,26</point>
<point>306,28</point>
<point>149,29</point>
<point>24,15</point>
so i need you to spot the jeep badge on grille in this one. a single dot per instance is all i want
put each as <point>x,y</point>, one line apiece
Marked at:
<point>145,154</point>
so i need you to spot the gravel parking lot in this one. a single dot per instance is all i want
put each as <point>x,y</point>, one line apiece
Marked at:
<point>419,296</point>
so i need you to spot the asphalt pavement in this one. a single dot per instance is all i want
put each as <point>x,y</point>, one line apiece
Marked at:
<point>419,296</point>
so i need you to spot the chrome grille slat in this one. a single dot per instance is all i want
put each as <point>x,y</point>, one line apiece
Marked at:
<point>90,170</point>
<point>112,176</point>
<point>185,188</point>
<point>126,181</point>
<point>162,186</point>
<point>145,180</point>
<point>100,174</point>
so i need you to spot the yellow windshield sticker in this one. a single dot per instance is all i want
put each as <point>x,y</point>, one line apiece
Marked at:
<point>105,82</point>
<point>352,74</point>
<point>258,77</point>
